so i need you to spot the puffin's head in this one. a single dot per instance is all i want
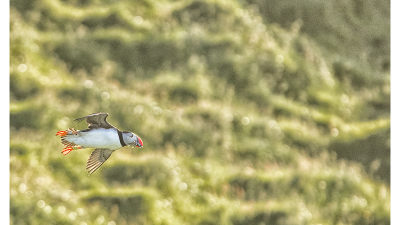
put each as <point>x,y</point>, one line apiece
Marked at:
<point>132,139</point>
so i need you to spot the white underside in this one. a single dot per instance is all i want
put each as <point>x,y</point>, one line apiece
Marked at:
<point>97,138</point>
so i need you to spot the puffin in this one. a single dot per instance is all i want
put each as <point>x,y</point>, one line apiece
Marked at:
<point>101,135</point>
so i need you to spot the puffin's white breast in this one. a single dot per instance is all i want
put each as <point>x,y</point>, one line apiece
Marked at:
<point>96,138</point>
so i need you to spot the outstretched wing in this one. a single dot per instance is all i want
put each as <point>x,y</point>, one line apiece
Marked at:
<point>96,120</point>
<point>97,158</point>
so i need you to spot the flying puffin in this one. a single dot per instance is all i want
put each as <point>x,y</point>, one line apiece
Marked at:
<point>101,135</point>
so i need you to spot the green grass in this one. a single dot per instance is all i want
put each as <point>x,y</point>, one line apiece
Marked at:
<point>249,113</point>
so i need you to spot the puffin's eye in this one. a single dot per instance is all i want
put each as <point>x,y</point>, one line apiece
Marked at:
<point>132,135</point>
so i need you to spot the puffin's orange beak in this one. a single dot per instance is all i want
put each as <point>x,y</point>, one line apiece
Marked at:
<point>140,142</point>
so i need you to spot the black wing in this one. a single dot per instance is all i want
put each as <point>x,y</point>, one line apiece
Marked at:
<point>97,158</point>
<point>96,120</point>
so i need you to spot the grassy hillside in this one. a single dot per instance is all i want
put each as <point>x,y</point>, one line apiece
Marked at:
<point>251,112</point>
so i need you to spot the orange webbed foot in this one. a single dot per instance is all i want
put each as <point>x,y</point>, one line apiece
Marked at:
<point>65,132</point>
<point>62,133</point>
<point>67,150</point>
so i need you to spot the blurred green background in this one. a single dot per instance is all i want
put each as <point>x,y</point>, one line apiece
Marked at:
<point>251,111</point>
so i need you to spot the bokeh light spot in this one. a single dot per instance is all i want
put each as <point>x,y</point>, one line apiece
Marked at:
<point>334,132</point>
<point>61,209</point>
<point>105,95</point>
<point>138,109</point>
<point>245,120</point>
<point>80,211</point>
<point>157,110</point>
<point>248,170</point>
<point>72,215</point>
<point>65,196</point>
<point>62,123</point>
<point>48,209</point>
<point>22,68</point>
<point>182,186</point>
<point>100,220</point>
<point>279,59</point>
<point>138,19</point>
<point>88,84</point>
<point>22,187</point>
<point>41,203</point>
<point>345,99</point>
<point>229,117</point>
